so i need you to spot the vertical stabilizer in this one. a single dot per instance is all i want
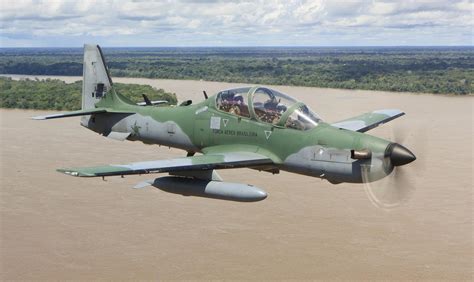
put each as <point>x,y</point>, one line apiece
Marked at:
<point>96,80</point>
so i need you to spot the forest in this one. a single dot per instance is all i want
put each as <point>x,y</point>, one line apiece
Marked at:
<point>54,94</point>
<point>438,70</point>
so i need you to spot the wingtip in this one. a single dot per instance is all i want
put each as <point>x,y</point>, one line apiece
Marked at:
<point>390,112</point>
<point>400,112</point>
<point>68,171</point>
<point>38,118</point>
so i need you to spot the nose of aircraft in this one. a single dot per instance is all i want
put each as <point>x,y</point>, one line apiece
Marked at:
<point>400,155</point>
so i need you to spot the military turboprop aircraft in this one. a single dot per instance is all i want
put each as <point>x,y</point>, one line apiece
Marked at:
<point>253,127</point>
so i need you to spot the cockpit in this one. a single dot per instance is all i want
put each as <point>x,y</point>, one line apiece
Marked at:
<point>267,105</point>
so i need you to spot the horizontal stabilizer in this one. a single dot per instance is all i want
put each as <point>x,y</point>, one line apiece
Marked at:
<point>368,121</point>
<point>82,113</point>
<point>71,114</point>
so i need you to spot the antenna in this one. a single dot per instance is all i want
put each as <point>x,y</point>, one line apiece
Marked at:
<point>205,94</point>
<point>147,101</point>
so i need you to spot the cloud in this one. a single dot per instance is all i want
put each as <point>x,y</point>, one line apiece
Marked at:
<point>259,22</point>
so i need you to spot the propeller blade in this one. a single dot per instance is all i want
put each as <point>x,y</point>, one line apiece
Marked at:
<point>398,187</point>
<point>391,191</point>
<point>405,184</point>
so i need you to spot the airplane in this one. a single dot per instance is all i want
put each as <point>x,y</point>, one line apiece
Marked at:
<point>246,127</point>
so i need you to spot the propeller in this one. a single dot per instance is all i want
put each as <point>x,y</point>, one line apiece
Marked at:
<point>398,187</point>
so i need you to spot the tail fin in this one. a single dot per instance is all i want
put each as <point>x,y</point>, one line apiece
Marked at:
<point>96,79</point>
<point>96,83</point>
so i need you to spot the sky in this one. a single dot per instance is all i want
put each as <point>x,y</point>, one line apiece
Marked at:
<point>126,23</point>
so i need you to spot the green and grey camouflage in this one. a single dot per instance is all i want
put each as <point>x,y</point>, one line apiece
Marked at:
<point>255,127</point>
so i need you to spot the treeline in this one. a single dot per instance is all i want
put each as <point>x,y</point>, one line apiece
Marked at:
<point>448,70</point>
<point>54,94</point>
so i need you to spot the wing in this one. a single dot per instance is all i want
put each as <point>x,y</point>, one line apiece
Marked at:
<point>368,121</point>
<point>152,103</point>
<point>209,161</point>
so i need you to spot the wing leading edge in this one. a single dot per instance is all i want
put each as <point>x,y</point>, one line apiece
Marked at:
<point>209,161</point>
<point>368,121</point>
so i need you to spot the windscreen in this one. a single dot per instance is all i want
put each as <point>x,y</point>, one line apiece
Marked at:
<point>302,118</point>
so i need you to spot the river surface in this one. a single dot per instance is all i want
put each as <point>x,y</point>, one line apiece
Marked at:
<point>61,227</point>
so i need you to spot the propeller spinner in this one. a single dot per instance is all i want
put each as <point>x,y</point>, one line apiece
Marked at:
<point>399,155</point>
<point>397,187</point>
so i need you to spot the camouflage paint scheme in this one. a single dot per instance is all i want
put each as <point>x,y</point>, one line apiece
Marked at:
<point>227,140</point>
<point>322,152</point>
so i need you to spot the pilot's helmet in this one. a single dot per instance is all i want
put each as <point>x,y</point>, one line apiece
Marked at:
<point>239,99</point>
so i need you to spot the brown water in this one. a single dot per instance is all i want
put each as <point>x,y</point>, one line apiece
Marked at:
<point>56,226</point>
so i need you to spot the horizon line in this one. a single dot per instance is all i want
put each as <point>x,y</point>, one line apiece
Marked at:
<point>247,46</point>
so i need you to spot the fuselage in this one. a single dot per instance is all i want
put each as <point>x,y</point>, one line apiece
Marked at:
<point>323,151</point>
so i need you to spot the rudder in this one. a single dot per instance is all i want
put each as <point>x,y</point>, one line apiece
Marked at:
<point>96,80</point>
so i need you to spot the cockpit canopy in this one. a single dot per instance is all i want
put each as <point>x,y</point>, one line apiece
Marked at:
<point>267,105</point>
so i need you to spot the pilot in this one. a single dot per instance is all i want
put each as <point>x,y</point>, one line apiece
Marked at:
<point>271,104</point>
<point>227,101</point>
<point>229,97</point>
<point>238,99</point>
